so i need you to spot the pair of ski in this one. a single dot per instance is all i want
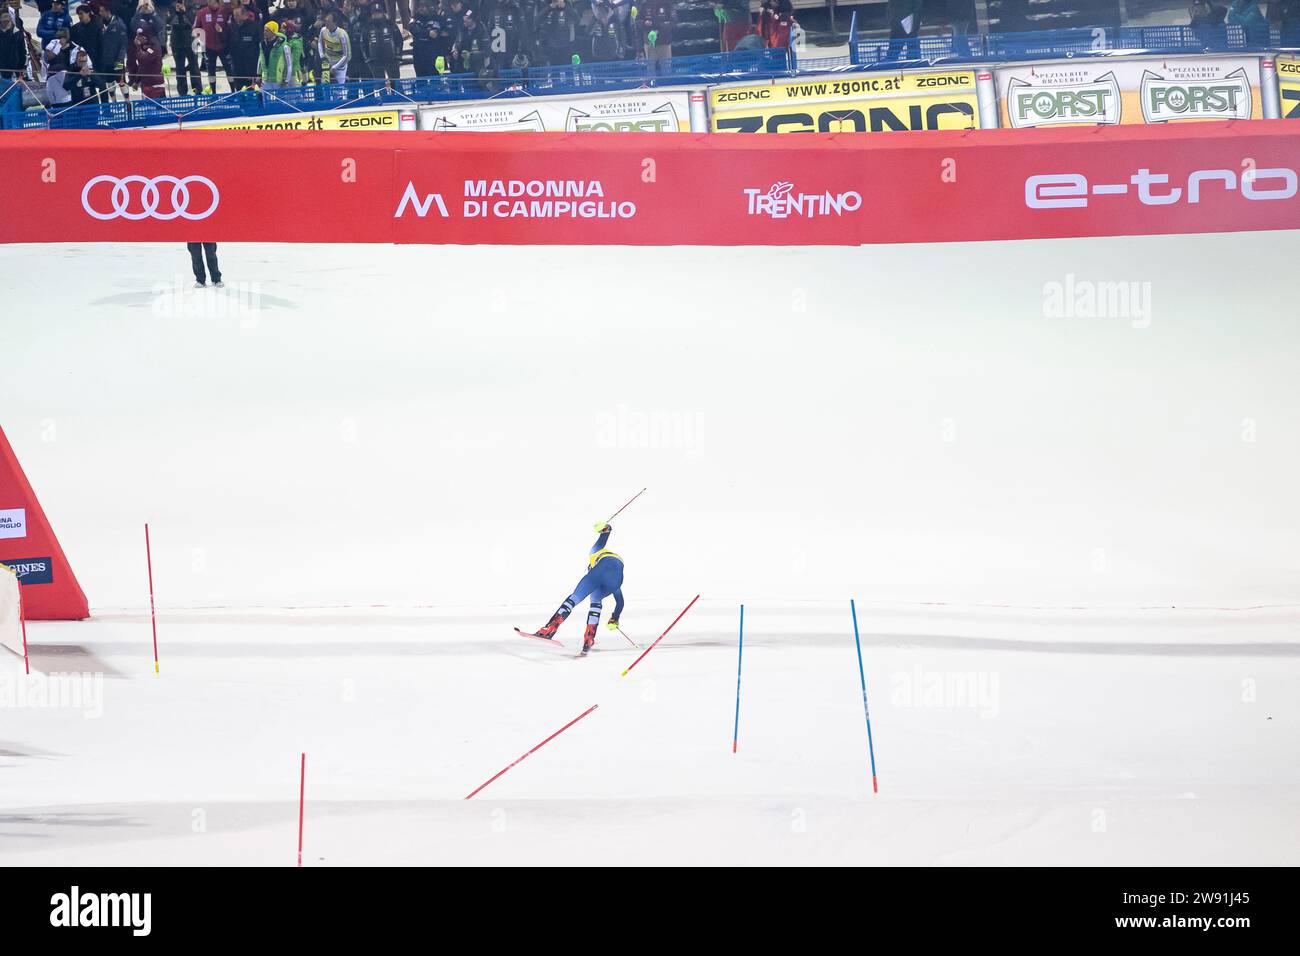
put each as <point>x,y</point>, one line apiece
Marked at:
<point>547,640</point>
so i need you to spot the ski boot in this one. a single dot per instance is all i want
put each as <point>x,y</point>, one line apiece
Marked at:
<point>589,636</point>
<point>548,629</point>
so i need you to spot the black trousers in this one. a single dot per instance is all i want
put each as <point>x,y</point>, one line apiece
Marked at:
<point>187,66</point>
<point>198,251</point>
<point>210,58</point>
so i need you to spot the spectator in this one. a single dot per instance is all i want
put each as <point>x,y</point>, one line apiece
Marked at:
<point>623,18</point>
<point>291,11</point>
<point>144,64</point>
<point>276,64</point>
<point>904,28</point>
<point>1288,19</point>
<point>87,33</point>
<point>150,19</point>
<point>13,51</point>
<point>1203,13</point>
<point>180,16</point>
<point>1247,15</point>
<point>775,23</point>
<point>733,22</point>
<point>310,49</point>
<point>507,32</point>
<point>358,66</point>
<point>294,42</point>
<point>83,84</point>
<point>556,34</point>
<point>470,50</point>
<point>15,9</point>
<point>112,65</point>
<point>58,58</point>
<point>335,48</point>
<point>383,45</point>
<point>428,42</point>
<point>657,20</point>
<point>214,20</point>
<point>51,22</point>
<point>606,39</point>
<point>245,48</point>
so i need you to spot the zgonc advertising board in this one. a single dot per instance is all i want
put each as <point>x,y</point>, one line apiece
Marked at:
<point>853,103</point>
<point>1288,84</point>
<point>647,189</point>
<point>642,111</point>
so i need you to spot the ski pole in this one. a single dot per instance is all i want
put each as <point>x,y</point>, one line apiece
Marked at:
<point>626,638</point>
<point>629,501</point>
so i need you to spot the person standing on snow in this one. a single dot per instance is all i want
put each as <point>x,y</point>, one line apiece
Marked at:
<point>604,577</point>
<point>198,252</point>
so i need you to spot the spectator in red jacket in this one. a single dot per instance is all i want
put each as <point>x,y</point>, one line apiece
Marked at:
<point>775,23</point>
<point>144,64</point>
<point>214,20</point>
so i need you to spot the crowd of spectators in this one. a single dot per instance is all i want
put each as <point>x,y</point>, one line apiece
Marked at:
<point>110,49</point>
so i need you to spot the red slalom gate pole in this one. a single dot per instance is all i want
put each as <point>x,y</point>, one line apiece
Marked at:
<point>661,636</point>
<point>302,789</point>
<point>153,614</point>
<point>535,749</point>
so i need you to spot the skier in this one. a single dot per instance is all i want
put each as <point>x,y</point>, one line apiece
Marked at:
<point>604,577</point>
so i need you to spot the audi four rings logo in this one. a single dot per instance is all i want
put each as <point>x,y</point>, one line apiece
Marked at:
<point>139,197</point>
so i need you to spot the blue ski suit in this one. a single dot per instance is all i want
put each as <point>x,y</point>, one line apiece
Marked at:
<point>604,577</point>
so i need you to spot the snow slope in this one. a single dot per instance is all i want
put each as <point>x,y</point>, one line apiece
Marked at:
<point>1071,541</point>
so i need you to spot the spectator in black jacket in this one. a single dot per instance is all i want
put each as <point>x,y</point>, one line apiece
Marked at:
<point>113,51</point>
<point>146,16</point>
<point>245,47</point>
<point>556,34</point>
<point>470,51</point>
<point>86,32</point>
<point>82,82</point>
<point>383,45</point>
<point>606,37</point>
<point>13,50</point>
<point>507,31</point>
<point>658,17</point>
<point>428,40</point>
<point>180,15</point>
<point>355,23</point>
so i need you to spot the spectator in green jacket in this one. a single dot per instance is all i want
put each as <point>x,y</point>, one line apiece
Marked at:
<point>293,40</point>
<point>276,62</point>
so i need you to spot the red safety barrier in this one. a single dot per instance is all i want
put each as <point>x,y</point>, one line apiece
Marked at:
<point>648,189</point>
<point>28,545</point>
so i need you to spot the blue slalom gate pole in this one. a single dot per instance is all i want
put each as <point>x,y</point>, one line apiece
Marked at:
<point>871,747</point>
<point>740,658</point>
